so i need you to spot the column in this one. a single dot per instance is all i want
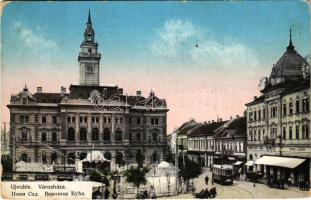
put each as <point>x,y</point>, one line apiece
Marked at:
<point>112,136</point>
<point>206,160</point>
<point>101,131</point>
<point>77,127</point>
<point>89,131</point>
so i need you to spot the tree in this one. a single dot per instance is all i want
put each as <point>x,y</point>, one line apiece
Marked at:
<point>136,175</point>
<point>190,170</point>
<point>98,177</point>
<point>7,164</point>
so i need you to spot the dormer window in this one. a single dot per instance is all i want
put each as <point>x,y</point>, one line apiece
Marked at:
<point>24,100</point>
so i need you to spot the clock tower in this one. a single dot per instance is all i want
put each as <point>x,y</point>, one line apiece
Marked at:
<point>89,57</point>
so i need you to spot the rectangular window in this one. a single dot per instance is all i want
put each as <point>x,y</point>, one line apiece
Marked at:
<point>73,119</point>
<point>290,108</point>
<point>263,113</point>
<point>290,136</point>
<point>259,134</point>
<point>297,106</point>
<point>22,119</point>
<point>138,120</point>
<point>97,119</point>
<point>156,121</point>
<point>68,119</point>
<point>81,119</point>
<point>43,119</point>
<point>259,114</point>
<point>297,132</point>
<point>93,119</point>
<point>85,119</point>
<point>152,121</point>
<point>284,133</point>
<point>54,119</point>
<point>255,115</point>
<point>109,120</point>
<point>305,131</point>
<point>284,109</point>
<point>250,116</point>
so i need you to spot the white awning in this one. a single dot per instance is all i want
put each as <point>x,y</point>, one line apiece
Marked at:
<point>237,163</point>
<point>249,163</point>
<point>280,161</point>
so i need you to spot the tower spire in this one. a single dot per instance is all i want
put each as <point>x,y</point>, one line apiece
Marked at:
<point>89,20</point>
<point>290,45</point>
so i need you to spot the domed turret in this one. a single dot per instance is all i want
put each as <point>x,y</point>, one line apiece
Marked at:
<point>289,67</point>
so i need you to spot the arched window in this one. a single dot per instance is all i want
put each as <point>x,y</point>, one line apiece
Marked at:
<point>121,120</point>
<point>24,157</point>
<point>43,137</point>
<point>107,155</point>
<point>138,137</point>
<point>71,158</point>
<point>24,135</point>
<point>54,157</point>
<point>106,134</point>
<point>154,157</point>
<point>71,134</point>
<point>95,134</point>
<point>82,155</point>
<point>54,137</point>
<point>43,158</point>
<point>116,120</point>
<point>118,134</point>
<point>83,134</point>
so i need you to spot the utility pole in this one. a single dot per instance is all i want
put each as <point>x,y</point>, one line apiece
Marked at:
<point>176,164</point>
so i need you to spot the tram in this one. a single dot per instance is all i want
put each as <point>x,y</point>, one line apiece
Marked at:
<point>222,174</point>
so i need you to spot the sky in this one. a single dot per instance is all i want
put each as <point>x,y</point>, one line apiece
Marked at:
<point>204,58</point>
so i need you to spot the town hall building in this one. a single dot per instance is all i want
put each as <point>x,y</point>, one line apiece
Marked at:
<point>63,128</point>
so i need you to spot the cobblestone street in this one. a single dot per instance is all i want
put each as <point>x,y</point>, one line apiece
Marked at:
<point>244,190</point>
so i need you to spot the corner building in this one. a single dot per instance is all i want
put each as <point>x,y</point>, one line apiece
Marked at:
<point>62,128</point>
<point>278,121</point>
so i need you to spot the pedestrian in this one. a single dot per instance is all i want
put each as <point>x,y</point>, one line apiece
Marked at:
<point>206,180</point>
<point>307,184</point>
<point>107,193</point>
<point>193,190</point>
<point>300,182</point>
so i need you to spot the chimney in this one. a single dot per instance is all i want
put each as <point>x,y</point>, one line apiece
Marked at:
<point>138,93</point>
<point>255,97</point>
<point>205,122</point>
<point>220,119</point>
<point>237,116</point>
<point>62,91</point>
<point>230,117</point>
<point>213,121</point>
<point>39,89</point>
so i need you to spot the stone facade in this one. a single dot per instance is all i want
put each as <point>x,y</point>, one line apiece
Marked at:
<point>61,128</point>
<point>278,122</point>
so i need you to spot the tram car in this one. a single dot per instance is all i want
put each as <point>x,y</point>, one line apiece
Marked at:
<point>222,174</point>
